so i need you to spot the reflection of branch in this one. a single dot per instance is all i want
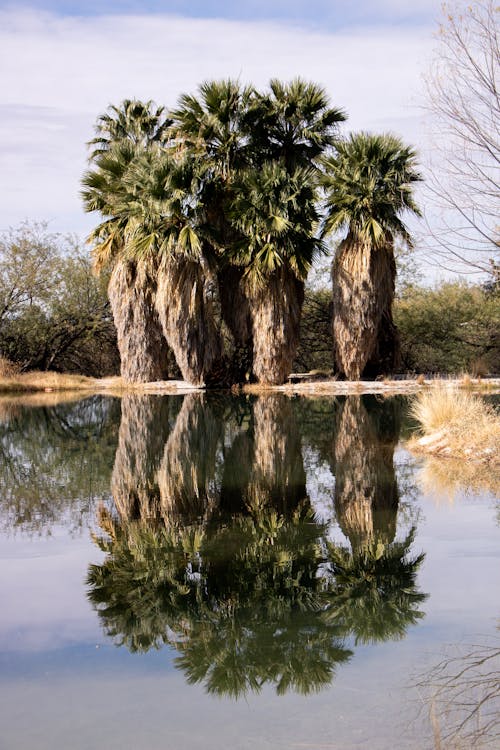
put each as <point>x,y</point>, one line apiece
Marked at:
<point>465,695</point>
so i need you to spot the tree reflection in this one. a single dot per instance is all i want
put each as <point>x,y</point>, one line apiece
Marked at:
<point>55,462</point>
<point>220,555</point>
<point>463,691</point>
<point>376,596</point>
<point>242,603</point>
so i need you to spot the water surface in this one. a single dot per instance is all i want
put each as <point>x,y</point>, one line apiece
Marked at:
<point>205,571</point>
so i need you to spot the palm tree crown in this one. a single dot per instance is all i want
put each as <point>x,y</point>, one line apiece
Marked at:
<point>140,123</point>
<point>368,184</point>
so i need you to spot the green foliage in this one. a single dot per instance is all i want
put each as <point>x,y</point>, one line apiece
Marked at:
<point>252,600</point>
<point>315,347</point>
<point>452,328</point>
<point>54,313</point>
<point>55,463</point>
<point>368,184</point>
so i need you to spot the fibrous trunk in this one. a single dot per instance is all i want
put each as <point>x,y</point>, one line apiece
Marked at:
<point>363,291</point>
<point>142,346</point>
<point>366,493</point>
<point>276,309</point>
<point>236,314</point>
<point>185,306</point>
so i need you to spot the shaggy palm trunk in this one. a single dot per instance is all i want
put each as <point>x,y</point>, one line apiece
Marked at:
<point>363,291</point>
<point>143,433</point>
<point>186,477</point>
<point>142,346</point>
<point>366,493</point>
<point>277,476</point>
<point>276,309</point>
<point>185,305</point>
<point>236,314</point>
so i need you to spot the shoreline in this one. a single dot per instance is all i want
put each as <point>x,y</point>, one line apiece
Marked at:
<point>39,383</point>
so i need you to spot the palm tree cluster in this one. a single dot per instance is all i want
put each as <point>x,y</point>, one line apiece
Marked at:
<point>212,217</point>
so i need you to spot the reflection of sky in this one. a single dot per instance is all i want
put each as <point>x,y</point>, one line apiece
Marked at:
<point>80,691</point>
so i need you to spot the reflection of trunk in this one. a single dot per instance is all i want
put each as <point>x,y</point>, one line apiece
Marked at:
<point>187,473</point>
<point>276,310</point>
<point>143,432</point>
<point>143,349</point>
<point>236,474</point>
<point>186,310</point>
<point>366,494</point>
<point>277,477</point>
<point>363,291</point>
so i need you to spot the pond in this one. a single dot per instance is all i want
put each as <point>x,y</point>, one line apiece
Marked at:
<point>204,571</point>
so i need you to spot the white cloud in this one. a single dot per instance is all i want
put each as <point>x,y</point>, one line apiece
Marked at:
<point>59,73</point>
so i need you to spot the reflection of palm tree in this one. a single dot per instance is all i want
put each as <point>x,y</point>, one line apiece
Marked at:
<point>254,593</point>
<point>375,593</point>
<point>187,473</point>
<point>278,475</point>
<point>145,424</point>
<point>241,603</point>
<point>366,493</point>
<point>375,581</point>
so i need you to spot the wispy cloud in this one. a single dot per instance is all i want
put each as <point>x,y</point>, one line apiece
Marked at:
<point>58,73</point>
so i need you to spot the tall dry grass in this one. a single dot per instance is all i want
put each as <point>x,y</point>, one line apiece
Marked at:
<point>32,382</point>
<point>456,423</point>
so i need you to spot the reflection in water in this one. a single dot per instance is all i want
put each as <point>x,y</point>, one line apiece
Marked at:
<point>187,474</point>
<point>366,492</point>
<point>144,428</point>
<point>376,593</point>
<point>463,691</point>
<point>55,462</point>
<point>213,547</point>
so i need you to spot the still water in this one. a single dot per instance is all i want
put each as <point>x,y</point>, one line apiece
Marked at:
<point>206,572</point>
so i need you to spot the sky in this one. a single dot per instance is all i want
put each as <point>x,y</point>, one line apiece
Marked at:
<point>62,63</point>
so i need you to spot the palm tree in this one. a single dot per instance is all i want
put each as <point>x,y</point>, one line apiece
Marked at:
<point>122,135</point>
<point>274,211</point>
<point>211,129</point>
<point>136,122</point>
<point>368,184</point>
<point>275,214</point>
<point>257,155</point>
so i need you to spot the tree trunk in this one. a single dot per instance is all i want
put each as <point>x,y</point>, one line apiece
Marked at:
<point>276,309</point>
<point>143,349</point>
<point>236,314</point>
<point>363,291</point>
<point>366,492</point>
<point>185,307</point>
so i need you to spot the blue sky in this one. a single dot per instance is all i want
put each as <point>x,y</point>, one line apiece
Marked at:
<point>327,14</point>
<point>62,63</point>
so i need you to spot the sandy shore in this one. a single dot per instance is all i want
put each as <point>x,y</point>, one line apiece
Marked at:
<point>45,383</point>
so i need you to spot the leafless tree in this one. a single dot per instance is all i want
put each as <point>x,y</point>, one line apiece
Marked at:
<point>463,90</point>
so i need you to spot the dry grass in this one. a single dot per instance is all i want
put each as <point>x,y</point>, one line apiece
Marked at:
<point>8,369</point>
<point>448,478</point>
<point>456,423</point>
<point>32,382</point>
